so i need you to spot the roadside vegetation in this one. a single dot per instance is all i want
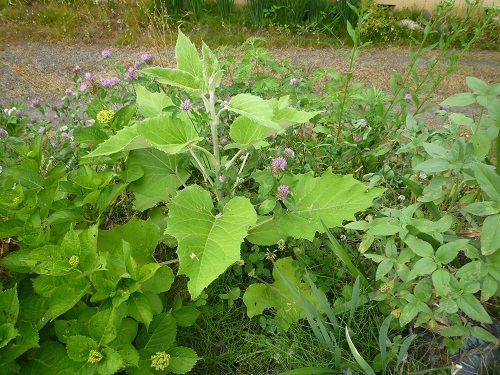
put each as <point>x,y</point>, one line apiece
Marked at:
<point>248,218</point>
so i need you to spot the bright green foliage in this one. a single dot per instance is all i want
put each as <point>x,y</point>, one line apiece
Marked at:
<point>277,295</point>
<point>330,198</point>
<point>207,244</point>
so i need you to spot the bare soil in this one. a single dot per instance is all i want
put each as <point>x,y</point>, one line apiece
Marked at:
<point>43,71</point>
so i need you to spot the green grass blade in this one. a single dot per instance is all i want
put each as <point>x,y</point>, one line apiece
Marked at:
<point>324,305</point>
<point>404,349</point>
<point>339,251</point>
<point>310,371</point>
<point>382,340</point>
<point>361,361</point>
<point>354,300</point>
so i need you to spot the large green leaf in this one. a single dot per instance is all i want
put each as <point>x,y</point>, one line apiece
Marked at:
<point>182,359</point>
<point>151,104</point>
<point>163,175</point>
<point>207,244</point>
<point>9,306</point>
<point>187,56</point>
<point>171,135</point>
<point>125,139</point>
<point>47,359</point>
<point>254,108</point>
<point>473,308</point>
<point>159,337</point>
<point>490,235</point>
<point>176,77</point>
<point>278,295</point>
<point>330,198</point>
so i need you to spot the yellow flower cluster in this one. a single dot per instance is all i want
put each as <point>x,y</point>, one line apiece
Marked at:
<point>105,116</point>
<point>160,361</point>
<point>94,356</point>
<point>74,260</point>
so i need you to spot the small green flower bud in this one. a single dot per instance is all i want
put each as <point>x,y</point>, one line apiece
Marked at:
<point>160,361</point>
<point>74,260</point>
<point>94,356</point>
<point>105,116</point>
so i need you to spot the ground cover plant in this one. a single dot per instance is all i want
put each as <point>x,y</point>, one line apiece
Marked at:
<point>244,218</point>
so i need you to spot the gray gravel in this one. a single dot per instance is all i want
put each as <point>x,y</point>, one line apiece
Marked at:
<point>43,71</point>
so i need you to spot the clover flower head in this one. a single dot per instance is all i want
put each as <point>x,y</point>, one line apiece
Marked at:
<point>74,260</point>
<point>282,192</point>
<point>277,165</point>
<point>147,58</point>
<point>32,120</point>
<point>160,361</point>
<point>94,356</point>
<point>35,103</point>
<point>105,116</point>
<point>2,132</point>
<point>223,141</point>
<point>105,53</point>
<point>69,92</point>
<point>131,74</point>
<point>109,82</point>
<point>53,107</point>
<point>294,81</point>
<point>88,76</point>
<point>41,129</point>
<point>77,68</point>
<point>83,87</point>
<point>18,112</point>
<point>64,135</point>
<point>222,179</point>
<point>73,144</point>
<point>408,97</point>
<point>363,124</point>
<point>137,65</point>
<point>288,152</point>
<point>187,105</point>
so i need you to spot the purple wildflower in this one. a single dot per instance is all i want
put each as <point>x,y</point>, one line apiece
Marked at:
<point>277,165</point>
<point>18,112</point>
<point>105,53</point>
<point>41,129</point>
<point>294,81</point>
<point>88,76</point>
<point>68,92</point>
<point>147,58</point>
<point>282,192</point>
<point>408,97</point>
<point>363,124</point>
<point>32,120</point>
<point>222,179</point>
<point>53,107</point>
<point>2,132</point>
<point>84,87</point>
<point>137,65</point>
<point>109,82</point>
<point>273,137</point>
<point>223,141</point>
<point>131,74</point>
<point>186,105</point>
<point>73,144</point>
<point>288,152</point>
<point>64,135</point>
<point>35,103</point>
<point>77,68</point>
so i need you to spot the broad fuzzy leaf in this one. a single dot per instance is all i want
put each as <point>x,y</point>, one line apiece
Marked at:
<point>125,139</point>
<point>330,198</point>
<point>207,244</point>
<point>171,135</point>
<point>187,56</point>
<point>151,104</point>
<point>163,175</point>
<point>177,78</point>
<point>255,108</point>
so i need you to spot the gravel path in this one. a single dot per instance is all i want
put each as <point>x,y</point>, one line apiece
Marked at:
<point>44,71</point>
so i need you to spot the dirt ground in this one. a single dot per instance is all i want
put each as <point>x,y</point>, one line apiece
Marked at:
<point>43,71</point>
